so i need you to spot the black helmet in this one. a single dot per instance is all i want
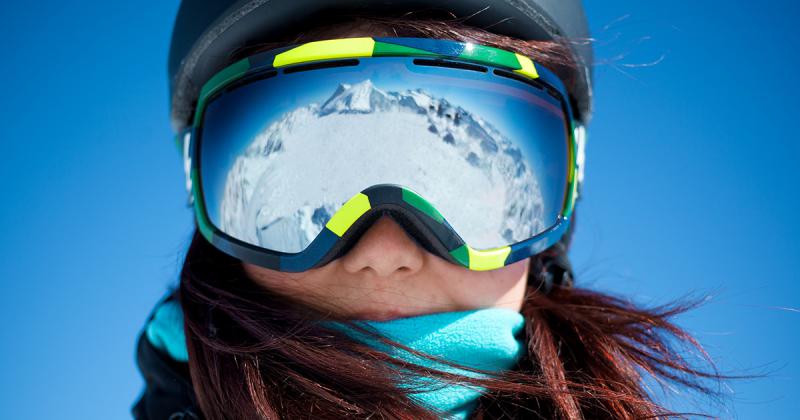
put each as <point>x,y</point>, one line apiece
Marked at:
<point>206,31</point>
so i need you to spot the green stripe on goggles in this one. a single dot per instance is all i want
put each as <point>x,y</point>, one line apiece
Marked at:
<point>294,152</point>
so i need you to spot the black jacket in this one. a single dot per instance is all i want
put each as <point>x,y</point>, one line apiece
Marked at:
<point>168,392</point>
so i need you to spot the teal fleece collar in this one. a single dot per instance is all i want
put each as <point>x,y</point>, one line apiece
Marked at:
<point>488,338</point>
<point>165,330</point>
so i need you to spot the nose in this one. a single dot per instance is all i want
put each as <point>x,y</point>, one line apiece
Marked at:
<point>385,250</point>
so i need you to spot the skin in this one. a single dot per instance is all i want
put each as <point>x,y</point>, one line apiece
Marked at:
<point>387,275</point>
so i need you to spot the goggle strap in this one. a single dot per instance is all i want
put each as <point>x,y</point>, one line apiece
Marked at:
<point>556,269</point>
<point>183,140</point>
<point>580,149</point>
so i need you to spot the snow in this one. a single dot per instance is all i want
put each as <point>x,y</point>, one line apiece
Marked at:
<point>301,168</point>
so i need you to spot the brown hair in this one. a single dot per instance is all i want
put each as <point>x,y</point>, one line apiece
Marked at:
<point>256,354</point>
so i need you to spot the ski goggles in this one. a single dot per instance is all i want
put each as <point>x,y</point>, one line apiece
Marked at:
<point>294,152</point>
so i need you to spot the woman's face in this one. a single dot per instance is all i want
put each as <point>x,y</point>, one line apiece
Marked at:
<point>388,275</point>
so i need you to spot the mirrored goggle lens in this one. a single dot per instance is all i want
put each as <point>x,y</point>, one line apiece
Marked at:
<point>279,156</point>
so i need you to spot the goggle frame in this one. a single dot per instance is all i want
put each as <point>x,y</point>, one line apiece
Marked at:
<point>447,52</point>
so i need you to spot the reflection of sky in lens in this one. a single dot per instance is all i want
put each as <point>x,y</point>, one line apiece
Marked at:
<point>259,104</point>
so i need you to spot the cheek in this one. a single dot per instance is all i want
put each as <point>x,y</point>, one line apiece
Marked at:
<point>292,284</point>
<point>502,287</point>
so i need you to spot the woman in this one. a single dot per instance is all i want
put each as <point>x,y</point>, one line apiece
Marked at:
<point>273,319</point>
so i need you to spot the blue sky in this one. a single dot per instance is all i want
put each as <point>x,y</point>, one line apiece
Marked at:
<point>691,188</point>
